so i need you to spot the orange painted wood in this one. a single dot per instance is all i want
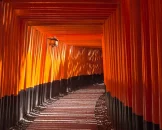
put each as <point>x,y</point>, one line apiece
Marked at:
<point>129,32</point>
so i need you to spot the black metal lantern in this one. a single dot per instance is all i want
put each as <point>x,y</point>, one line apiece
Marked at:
<point>53,42</point>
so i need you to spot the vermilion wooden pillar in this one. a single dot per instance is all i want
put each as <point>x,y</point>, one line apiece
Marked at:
<point>140,69</point>
<point>136,62</point>
<point>1,11</point>
<point>1,21</point>
<point>154,62</point>
<point>146,65</point>
<point>158,15</point>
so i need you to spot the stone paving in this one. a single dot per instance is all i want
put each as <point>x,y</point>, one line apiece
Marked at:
<point>83,109</point>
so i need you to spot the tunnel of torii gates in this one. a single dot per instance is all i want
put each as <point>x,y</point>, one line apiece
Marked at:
<point>120,39</point>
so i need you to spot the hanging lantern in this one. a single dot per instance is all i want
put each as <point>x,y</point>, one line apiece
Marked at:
<point>53,42</point>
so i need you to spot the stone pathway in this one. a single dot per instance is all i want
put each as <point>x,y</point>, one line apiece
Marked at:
<point>84,109</point>
<point>75,111</point>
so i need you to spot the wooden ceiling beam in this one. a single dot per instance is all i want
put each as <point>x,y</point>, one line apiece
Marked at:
<point>61,18</point>
<point>65,1</point>
<point>65,5</point>
<point>79,37</point>
<point>67,22</point>
<point>74,22</point>
<point>50,17</point>
<point>50,11</point>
